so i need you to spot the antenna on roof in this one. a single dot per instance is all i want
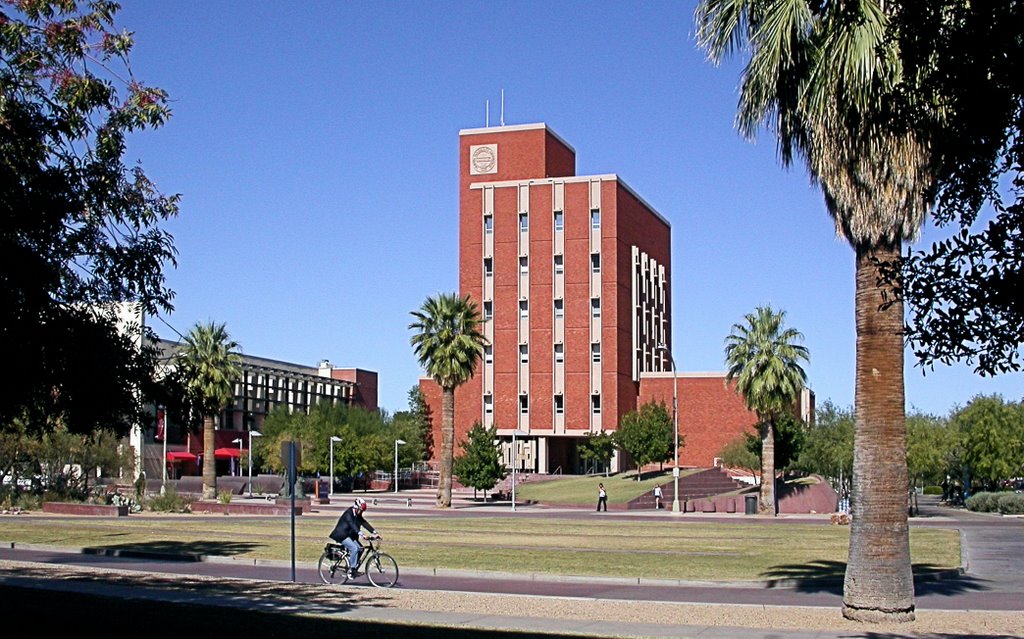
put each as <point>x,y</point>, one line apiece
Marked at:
<point>487,116</point>
<point>503,107</point>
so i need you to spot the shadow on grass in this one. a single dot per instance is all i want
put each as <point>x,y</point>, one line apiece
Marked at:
<point>827,576</point>
<point>177,550</point>
<point>927,635</point>
<point>221,608</point>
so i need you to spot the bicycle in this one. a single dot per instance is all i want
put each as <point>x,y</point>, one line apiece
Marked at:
<point>380,568</point>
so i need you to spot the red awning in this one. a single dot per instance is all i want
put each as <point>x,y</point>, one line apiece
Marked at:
<point>224,453</point>
<point>176,456</point>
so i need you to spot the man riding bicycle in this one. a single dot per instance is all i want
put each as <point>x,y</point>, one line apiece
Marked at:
<point>346,532</point>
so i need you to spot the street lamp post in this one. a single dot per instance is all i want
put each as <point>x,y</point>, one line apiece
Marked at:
<point>675,427</point>
<point>515,456</point>
<point>398,442</point>
<point>334,438</point>
<point>239,441</point>
<point>252,433</point>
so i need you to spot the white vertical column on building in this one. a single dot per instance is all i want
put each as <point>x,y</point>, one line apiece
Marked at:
<point>524,303</point>
<point>596,306</point>
<point>487,210</point>
<point>558,298</point>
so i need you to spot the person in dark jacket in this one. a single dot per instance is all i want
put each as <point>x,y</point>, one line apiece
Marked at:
<point>346,532</point>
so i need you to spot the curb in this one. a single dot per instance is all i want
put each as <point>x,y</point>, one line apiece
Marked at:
<point>469,574</point>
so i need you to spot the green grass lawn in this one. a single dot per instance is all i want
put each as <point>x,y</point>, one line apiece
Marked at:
<point>621,487</point>
<point>607,547</point>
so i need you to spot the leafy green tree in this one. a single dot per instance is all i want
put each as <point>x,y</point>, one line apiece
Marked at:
<point>80,231</point>
<point>479,466</point>
<point>992,440</point>
<point>828,446</point>
<point>827,79</point>
<point>764,360</point>
<point>963,293</point>
<point>646,434</point>
<point>739,454</point>
<point>209,365</point>
<point>598,448</point>
<point>931,445</point>
<point>448,344</point>
<point>413,426</point>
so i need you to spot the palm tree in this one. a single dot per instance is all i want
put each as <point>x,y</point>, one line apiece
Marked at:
<point>826,77</point>
<point>209,366</point>
<point>448,344</point>
<point>765,363</point>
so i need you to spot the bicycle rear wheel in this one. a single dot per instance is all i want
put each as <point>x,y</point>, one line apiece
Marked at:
<point>332,570</point>
<point>382,570</point>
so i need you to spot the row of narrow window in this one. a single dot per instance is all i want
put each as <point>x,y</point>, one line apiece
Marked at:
<point>558,400</point>
<point>559,308</point>
<point>559,262</point>
<point>559,221</point>
<point>524,353</point>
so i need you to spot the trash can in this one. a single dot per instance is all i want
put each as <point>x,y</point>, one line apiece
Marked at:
<point>323,488</point>
<point>751,505</point>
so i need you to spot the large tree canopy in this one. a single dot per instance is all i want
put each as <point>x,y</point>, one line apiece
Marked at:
<point>965,293</point>
<point>78,227</point>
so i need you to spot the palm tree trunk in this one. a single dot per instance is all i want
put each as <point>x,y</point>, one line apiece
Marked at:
<point>444,484</point>
<point>209,460</point>
<point>879,583</point>
<point>767,505</point>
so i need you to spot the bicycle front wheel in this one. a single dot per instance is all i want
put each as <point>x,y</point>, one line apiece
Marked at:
<point>382,570</point>
<point>332,571</point>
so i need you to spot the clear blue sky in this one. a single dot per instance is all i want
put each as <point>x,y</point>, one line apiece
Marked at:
<point>315,148</point>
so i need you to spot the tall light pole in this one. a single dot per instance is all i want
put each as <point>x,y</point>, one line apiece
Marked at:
<point>515,458</point>
<point>252,433</point>
<point>239,441</point>
<point>675,427</point>
<point>334,438</point>
<point>161,427</point>
<point>398,442</point>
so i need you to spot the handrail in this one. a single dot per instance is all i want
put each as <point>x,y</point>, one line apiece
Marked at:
<point>557,471</point>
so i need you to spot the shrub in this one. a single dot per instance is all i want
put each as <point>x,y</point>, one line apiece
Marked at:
<point>982,502</point>
<point>224,496</point>
<point>1010,503</point>
<point>933,490</point>
<point>171,502</point>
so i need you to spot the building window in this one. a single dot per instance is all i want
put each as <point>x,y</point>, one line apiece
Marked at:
<point>524,222</point>
<point>488,310</point>
<point>524,309</point>
<point>595,307</point>
<point>559,265</point>
<point>558,308</point>
<point>595,262</point>
<point>488,266</point>
<point>595,352</point>
<point>524,404</point>
<point>524,354</point>
<point>559,405</point>
<point>488,354</point>
<point>488,405</point>
<point>559,353</point>
<point>595,404</point>
<point>559,221</point>
<point>595,218</point>
<point>488,224</point>
<point>524,264</point>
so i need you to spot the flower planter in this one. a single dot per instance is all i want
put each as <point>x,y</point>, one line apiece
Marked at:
<point>74,508</point>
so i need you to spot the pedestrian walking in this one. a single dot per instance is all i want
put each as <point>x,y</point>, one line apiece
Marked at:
<point>657,497</point>
<point>602,498</point>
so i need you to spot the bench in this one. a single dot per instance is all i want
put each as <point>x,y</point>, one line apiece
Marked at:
<point>406,500</point>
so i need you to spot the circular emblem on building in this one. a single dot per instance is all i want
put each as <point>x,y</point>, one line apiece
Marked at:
<point>484,159</point>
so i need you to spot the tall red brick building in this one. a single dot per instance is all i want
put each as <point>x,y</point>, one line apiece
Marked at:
<point>573,277</point>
